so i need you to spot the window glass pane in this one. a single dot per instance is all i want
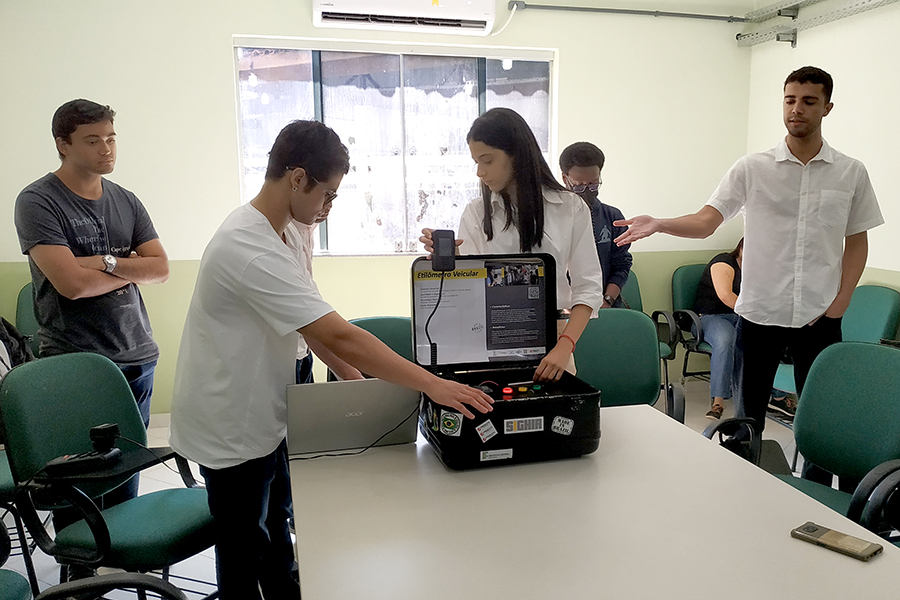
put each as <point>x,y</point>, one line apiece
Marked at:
<point>523,86</point>
<point>441,101</point>
<point>361,101</point>
<point>275,88</point>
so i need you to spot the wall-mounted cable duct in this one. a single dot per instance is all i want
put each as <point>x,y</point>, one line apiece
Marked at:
<point>779,9</point>
<point>848,9</point>
<point>520,6</point>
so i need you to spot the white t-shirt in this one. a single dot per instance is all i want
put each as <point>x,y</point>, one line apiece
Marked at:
<point>304,254</point>
<point>239,346</point>
<point>568,237</point>
<point>796,217</point>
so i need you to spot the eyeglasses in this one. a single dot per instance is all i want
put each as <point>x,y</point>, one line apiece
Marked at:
<point>584,187</point>
<point>330,195</point>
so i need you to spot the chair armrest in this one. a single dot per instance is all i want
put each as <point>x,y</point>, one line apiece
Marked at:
<point>71,495</point>
<point>689,321</point>
<point>673,334</point>
<point>730,427</point>
<point>187,476</point>
<point>863,492</point>
<point>103,584</point>
<point>882,505</point>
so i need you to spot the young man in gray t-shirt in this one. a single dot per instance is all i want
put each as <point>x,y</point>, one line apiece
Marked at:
<point>90,243</point>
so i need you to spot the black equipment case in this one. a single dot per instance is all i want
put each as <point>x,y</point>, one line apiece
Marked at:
<point>487,324</point>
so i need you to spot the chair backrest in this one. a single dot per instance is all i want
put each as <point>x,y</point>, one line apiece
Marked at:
<point>872,314</point>
<point>685,281</point>
<point>26,321</point>
<point>48,406</point>
<point>396,332</point>
<point>618,353</point>
<point>848,418</point>
<point>631,293</point>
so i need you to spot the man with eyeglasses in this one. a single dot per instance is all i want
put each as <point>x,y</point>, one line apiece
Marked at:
<point>581,164</point>
<point>238,353</point>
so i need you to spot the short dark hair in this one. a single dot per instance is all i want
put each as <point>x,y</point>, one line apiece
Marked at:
<point>73,113</point>
<point>812,75</point>
<point>581,154</point>
<point>506,130</point>
<point>310,145</point>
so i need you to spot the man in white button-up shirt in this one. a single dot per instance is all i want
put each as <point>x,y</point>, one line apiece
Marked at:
<point>806,209</point>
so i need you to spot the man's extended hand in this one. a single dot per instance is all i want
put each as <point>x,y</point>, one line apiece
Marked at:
<point>456,396</point>
<point>638,228</point>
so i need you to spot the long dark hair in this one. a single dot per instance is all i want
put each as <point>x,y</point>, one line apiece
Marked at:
<point>737,250</point>
<point>506,130</point>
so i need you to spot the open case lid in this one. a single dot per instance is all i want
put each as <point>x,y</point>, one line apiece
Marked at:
<point>495,310</point>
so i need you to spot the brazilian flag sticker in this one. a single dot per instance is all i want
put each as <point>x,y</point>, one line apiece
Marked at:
<point>451,423</point>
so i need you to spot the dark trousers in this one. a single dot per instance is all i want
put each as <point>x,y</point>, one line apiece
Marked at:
<point>764,346</point>
<point>305,369</point>
<point>250,507</point>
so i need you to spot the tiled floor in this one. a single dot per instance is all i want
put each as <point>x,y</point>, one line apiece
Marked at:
<point>202,567</point>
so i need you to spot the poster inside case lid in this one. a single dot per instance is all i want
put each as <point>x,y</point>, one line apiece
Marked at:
<point>493,309</point>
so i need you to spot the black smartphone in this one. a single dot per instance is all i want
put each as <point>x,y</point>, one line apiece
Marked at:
<point>837,541</point>
<point>444,255</point>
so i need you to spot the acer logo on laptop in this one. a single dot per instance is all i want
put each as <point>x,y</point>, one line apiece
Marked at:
<point>357,413</point>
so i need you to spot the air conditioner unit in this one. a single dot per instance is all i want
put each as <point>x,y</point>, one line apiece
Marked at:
<point>463,17</point>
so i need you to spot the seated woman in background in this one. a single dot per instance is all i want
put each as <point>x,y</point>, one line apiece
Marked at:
<point>717,294</point>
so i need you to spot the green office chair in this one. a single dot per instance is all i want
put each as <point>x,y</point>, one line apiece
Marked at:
<point>26,321</point>
<point>667,334</point>
<point>848,421</point>
<point>618,354</point>
<point>395,332</point>
<point>15,587</point>
<point>872,315</point>
<point>685,281</point>
<point>47,408</point>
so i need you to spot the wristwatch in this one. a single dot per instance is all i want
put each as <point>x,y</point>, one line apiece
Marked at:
<point>110,261</point>
<point>609,299</point>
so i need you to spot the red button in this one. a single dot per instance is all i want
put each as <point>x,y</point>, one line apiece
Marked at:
<point>508,391</point>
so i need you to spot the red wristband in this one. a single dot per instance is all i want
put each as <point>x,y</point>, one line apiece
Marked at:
<point>570,339</point>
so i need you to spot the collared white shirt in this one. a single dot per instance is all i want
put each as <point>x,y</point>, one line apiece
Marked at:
<point>568,237</point>
<point>796,217</point>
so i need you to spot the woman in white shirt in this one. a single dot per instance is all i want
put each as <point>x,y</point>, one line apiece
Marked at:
<point>524,209</point>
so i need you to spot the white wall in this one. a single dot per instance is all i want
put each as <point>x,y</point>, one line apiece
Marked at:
<point>666,99</point>
<point>862,54</point>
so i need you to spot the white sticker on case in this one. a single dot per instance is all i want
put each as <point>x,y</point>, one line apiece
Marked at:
<point>562,425</point>
<point>486,430</point>
<point>496,454</point>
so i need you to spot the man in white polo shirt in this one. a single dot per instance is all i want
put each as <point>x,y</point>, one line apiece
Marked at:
<point>806,208</point>
<point>238,354</point>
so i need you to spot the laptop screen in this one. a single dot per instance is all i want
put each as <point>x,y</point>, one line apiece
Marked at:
<point>491,309</point>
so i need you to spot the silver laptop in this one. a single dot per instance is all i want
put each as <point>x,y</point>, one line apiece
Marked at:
<point>347,415</point>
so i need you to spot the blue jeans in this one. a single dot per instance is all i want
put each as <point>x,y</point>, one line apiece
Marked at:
<point>726,363</point>
<point>250,507</point>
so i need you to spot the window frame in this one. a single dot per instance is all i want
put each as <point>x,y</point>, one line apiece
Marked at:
<point>316,45</point>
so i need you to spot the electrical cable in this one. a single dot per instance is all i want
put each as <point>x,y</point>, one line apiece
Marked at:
<point>431,345</point>
<point>512,12</point>
<point>360,451</point>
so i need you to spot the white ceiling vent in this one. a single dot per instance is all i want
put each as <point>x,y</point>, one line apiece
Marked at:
<point>462,17</point>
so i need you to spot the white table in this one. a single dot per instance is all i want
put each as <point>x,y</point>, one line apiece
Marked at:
<point>657,512</point>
